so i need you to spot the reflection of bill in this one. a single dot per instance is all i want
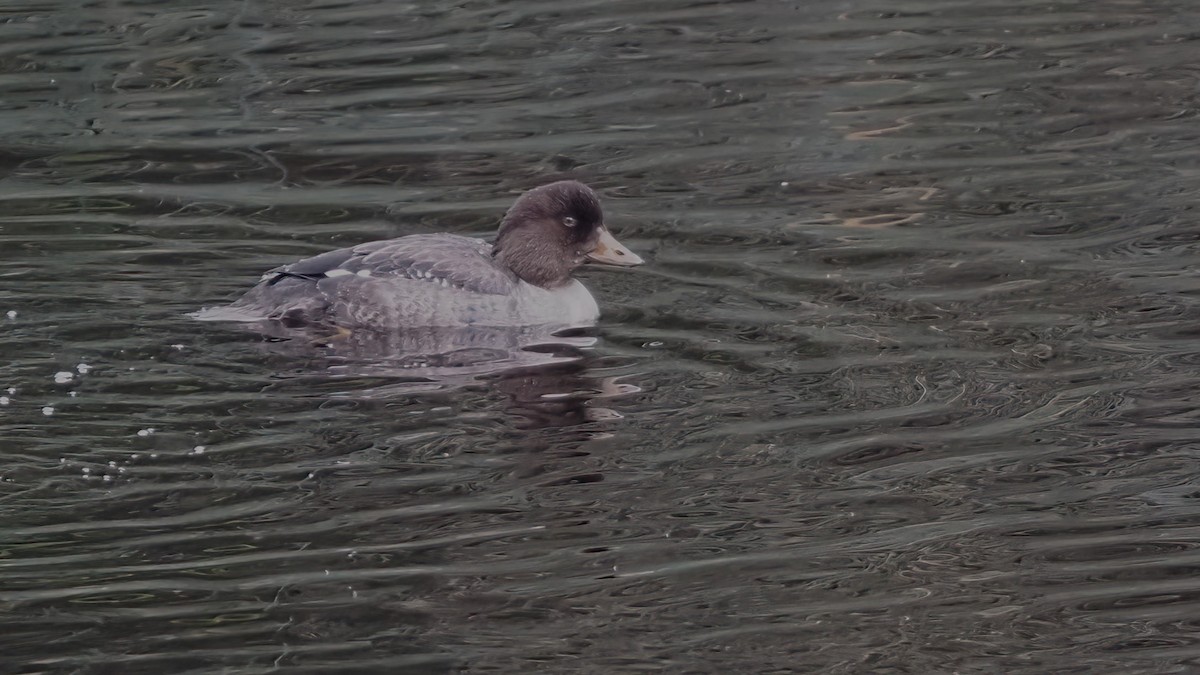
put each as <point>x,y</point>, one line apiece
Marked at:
<point>559,395</point>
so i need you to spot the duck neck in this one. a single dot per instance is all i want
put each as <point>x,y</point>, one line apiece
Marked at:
<point>537,265</point>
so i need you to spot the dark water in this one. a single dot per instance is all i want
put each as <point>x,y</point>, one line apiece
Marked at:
<point>909,383</point>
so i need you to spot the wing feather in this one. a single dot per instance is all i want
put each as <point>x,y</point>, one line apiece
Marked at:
<point>459,261</point>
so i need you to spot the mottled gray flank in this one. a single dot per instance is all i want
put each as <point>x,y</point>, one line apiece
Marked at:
<point>379,283</point>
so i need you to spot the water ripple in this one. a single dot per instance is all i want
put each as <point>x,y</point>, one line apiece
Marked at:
<point>908,384</point>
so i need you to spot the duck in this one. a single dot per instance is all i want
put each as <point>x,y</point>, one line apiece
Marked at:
<point>422,281</point>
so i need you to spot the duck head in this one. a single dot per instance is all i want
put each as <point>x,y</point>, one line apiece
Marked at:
<point>553,229</point>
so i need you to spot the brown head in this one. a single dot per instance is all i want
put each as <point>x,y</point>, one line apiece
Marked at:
<point>553,229</point>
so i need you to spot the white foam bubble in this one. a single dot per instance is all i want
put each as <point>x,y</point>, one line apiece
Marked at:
<point>48,410</point>
<point>63,377</point>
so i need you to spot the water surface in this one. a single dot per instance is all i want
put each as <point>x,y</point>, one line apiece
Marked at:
<point>907,384</point>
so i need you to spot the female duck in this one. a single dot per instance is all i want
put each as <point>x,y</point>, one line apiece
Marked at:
<point>446,280</point>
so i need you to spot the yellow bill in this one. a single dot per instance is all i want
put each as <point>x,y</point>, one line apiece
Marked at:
<point>609,251</point>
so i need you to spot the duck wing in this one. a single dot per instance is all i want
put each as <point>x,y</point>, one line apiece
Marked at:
<point>444,259</point>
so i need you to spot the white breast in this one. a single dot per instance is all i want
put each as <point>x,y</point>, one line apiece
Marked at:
<point>572,305</point>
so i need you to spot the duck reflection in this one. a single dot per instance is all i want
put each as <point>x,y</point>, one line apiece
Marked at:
<point>545,375</point>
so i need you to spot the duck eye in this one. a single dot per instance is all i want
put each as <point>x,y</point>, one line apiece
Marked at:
<point>569,221</point>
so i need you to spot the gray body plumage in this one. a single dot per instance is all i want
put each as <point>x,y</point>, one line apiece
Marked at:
<point>426,280</point>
